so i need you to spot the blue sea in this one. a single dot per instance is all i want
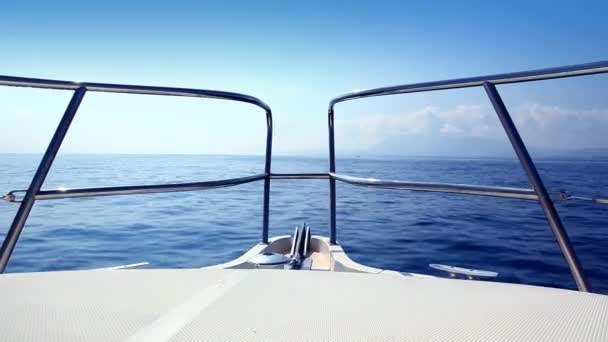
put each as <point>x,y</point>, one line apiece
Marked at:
<point>390,229</point>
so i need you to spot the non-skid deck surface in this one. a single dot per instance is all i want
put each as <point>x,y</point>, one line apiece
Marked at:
<point>279,305</point>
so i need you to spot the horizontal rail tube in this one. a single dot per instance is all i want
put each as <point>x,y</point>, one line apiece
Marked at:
<point>145,189</point>
<point>492,191</point>
<point>524,76</point>
<point>130,89</point>
<point>299,176</point>
<point>506,192</point>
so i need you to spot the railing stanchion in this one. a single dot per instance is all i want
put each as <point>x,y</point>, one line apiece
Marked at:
<point>43,169</point>
<point>537,184</point>
<point>332,181</point>
<point>267,170</point>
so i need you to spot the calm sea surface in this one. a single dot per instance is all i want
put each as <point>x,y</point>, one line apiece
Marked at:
<point>390,229</point>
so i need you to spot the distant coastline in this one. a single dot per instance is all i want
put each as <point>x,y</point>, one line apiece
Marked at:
<point>587,155</point>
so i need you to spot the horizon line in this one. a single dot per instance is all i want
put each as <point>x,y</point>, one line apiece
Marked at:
<point>318,156</point>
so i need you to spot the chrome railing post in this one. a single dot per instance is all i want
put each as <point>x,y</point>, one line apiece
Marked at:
<point>332,181</point>
<point>553,218</point>
<point>43,169</point>
<point>267,170</point>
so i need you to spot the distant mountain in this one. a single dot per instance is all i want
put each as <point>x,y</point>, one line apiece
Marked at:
<point>421,145</point>
<point>584,153</point>
<point>465,147</point>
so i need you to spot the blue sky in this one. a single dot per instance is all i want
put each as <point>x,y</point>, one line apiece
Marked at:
<point>296,56</point>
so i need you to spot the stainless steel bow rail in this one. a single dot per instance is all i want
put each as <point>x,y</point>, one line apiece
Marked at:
<point>80,89</point>
<point>489,84</point>
<point>537,193</point>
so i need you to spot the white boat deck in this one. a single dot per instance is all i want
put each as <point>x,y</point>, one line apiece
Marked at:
<point>283,305</point>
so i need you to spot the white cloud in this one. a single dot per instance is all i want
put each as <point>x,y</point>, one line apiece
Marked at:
<point>468,120</point>
<point>559,127</point>
<point>373,129</point>
<point>451,129</point>
<point>540,125</point>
